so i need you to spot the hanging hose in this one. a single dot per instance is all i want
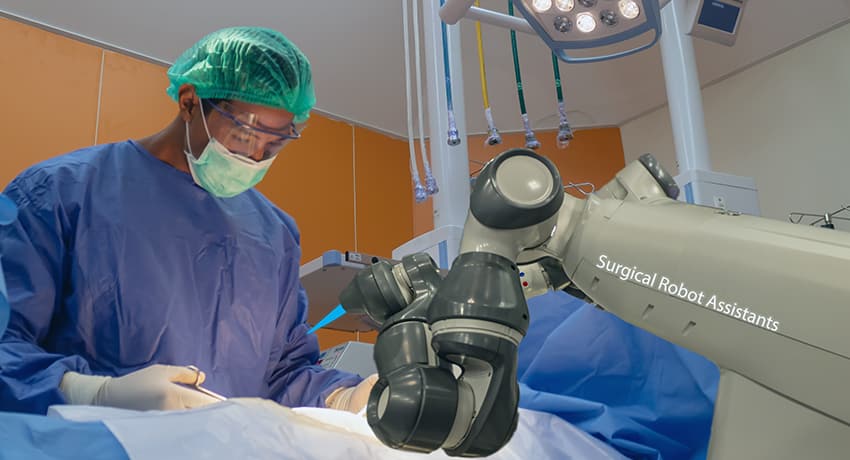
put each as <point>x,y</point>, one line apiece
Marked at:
<point>565,133</point>
<point>430,183</point>
<point>454,137</point>
<point>418,189</point>
<point>493,137</point>
<point>531,142</point>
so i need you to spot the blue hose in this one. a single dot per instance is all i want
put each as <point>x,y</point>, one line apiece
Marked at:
<point>454,137</point>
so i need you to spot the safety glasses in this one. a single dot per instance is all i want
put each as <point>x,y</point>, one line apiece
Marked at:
<point>240,133</point>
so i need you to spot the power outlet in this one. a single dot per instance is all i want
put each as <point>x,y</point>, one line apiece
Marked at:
<point>720,202</point>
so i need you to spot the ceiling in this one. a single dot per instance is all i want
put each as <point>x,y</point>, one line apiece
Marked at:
<point>357,52</point>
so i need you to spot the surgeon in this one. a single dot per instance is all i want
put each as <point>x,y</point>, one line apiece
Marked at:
<point>131,261</point>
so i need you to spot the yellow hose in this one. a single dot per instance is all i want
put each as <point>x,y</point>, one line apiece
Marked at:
<point>481,62</point>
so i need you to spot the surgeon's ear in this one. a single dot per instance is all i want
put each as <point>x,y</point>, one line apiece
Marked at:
<point>188,102</point>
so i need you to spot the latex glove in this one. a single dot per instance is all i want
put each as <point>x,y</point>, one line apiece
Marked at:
<point>152,388</point>
<point>352,399</point>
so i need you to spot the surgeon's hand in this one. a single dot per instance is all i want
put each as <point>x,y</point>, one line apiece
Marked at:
<point>153,388</point>
<point>352,399</point>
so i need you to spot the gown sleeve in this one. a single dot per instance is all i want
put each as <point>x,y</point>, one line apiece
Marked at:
<point>294,377</point>
<point>34,252</point>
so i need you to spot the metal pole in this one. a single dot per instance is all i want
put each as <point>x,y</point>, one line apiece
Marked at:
<point>450,164</point>
<point>683,90</point>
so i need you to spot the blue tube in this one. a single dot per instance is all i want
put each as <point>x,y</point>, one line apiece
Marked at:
<point>329,318</point>
<point>454,136</point>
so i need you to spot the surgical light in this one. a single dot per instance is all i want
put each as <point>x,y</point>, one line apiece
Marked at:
<point>542,6</point>
<point>581,31</point>
<point>608,17</point>
<point>563,24</point>
<point>629,9</point>
<point>565,5</point>
<point>585,22</point>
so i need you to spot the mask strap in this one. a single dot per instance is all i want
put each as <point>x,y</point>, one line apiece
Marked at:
<point>188,141</point>
<point>206,128</point>
<point>204,118</point>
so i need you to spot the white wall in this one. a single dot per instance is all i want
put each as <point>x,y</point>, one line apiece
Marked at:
<point>784,122</point>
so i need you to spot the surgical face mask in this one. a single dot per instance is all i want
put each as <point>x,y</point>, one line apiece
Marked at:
<point>220,171</point>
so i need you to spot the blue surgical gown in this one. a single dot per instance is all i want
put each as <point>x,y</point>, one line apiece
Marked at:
<point>119,261</point>
<point>646,397</point>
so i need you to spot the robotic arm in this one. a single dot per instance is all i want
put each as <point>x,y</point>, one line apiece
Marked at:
<point>446,352</point>
<point>765,300</point>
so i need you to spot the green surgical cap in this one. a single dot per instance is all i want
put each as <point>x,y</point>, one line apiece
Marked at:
<point>249,64</point>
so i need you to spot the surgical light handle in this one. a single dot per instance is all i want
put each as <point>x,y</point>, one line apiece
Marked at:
<point>452,12</point>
